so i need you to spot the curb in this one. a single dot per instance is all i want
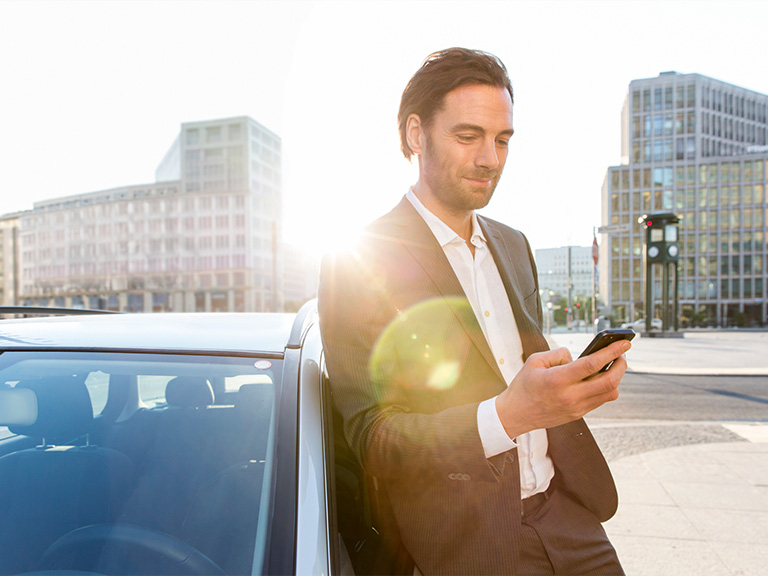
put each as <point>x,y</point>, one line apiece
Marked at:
<point>675,371</point>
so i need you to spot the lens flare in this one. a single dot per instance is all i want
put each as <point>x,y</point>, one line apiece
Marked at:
<point>424,347</point>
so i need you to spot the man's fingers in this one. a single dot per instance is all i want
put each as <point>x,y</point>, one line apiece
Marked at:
<point>551,389</point>
<point>592,364</point>
<point>550,358</point>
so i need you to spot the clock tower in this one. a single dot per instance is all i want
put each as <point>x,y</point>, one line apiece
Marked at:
<point>662,248</point>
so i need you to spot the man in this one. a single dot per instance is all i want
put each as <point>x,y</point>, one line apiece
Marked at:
<point>449,394</point>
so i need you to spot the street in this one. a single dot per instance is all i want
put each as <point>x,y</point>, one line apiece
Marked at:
<point>656,411</point>
<point>689,397</point>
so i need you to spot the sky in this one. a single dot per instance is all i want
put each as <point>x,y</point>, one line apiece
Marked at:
<point>92,94</point>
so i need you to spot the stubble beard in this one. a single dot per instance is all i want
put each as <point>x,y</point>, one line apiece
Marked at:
<point>453,191</point>
<point>458,195</point>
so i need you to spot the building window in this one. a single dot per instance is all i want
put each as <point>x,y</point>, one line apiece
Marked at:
<point>658,123</point>
<point>213,134</point>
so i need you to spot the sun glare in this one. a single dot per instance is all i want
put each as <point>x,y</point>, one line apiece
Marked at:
<point>315,242</point>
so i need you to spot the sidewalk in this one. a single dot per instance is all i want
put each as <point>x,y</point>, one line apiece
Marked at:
<point>697,509</point>
<point>729,353</point>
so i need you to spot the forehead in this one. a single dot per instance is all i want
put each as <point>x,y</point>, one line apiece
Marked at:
<point>486,106</point>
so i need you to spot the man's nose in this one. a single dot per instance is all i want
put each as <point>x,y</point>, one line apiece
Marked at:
<point>488,155</point>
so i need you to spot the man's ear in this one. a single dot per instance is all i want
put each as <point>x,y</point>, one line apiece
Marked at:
<point>414,133</point>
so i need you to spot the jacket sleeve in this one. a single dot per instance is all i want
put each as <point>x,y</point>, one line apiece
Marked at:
<point>368,349</point>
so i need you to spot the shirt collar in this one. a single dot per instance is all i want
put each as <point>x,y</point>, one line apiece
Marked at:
<point>442,232</point>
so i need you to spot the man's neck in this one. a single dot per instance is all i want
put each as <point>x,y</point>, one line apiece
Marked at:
<point>460,222</point>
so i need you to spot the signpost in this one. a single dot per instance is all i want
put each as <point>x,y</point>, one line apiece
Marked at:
<point>614,228</point>
<point>595,257</point>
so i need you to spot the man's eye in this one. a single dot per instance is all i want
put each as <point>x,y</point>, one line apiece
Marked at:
<point>465,138</point>
<point>503,143</point>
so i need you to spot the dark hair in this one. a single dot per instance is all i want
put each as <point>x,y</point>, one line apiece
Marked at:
<point>441,73</point>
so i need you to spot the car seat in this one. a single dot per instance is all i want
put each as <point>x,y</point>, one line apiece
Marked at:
<point>52,489</point>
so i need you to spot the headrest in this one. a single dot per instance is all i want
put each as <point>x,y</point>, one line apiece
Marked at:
<point>255,400</point>
<point>189,392</point>
<point>63,409</point>
<point>18,407</point>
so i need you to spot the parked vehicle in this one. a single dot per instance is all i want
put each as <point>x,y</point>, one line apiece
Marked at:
<point>175,444</point>
<point>639,325</point>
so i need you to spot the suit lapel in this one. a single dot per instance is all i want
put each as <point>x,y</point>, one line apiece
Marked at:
<point>530,334</point>
<point>411,230</point>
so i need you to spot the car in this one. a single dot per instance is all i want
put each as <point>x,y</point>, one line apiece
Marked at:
<point>178,444</point>
<point>639,325</point>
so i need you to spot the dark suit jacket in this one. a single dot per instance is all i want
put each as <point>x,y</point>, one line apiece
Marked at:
<point>409,365</point>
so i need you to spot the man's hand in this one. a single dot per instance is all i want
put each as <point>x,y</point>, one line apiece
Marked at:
<point>551,389</point>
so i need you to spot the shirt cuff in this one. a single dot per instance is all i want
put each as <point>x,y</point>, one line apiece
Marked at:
<point>492,434</point>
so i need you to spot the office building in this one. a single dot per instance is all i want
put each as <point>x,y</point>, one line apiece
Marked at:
<point>9,259</point>
<point>559,268</point>
<point>697,147</point>
<point>204,237</point>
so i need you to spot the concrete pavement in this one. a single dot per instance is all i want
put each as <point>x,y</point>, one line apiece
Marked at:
<point>705,352</point>
<point>700,509</point>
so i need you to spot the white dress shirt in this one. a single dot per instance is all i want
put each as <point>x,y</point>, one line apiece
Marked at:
<point>480,279</point>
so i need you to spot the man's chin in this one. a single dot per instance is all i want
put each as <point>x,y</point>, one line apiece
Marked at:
<point>480,198</point>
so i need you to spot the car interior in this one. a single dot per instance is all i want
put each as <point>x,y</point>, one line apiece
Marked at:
<point>133,464</point>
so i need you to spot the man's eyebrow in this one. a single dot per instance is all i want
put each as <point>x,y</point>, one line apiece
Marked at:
<point>464,127</point>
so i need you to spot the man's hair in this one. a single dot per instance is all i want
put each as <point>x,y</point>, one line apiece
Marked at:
<point>441,73</point>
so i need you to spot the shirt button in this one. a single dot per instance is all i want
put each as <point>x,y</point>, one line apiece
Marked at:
<point>501,360</point>
<point>487,313</point>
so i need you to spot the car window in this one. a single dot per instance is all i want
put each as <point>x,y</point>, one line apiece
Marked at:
<point>149,451</point>
<point>152,388</point>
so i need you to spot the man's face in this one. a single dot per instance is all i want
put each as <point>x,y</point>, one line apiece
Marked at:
<point>465,147</point>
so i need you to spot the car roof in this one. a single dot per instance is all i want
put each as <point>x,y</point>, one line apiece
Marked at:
<point>191,332</point>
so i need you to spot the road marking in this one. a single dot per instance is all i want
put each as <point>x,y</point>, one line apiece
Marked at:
<point>756,432</point>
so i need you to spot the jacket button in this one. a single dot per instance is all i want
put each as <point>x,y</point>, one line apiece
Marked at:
<point>459,476</point>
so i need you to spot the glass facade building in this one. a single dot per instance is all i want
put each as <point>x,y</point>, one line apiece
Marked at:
<point>697,147</point>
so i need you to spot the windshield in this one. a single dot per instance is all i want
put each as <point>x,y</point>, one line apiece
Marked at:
<point>138,460</point>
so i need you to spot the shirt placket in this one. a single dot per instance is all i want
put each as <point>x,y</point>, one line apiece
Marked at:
<point>488,312</point>
<point>501,351</point>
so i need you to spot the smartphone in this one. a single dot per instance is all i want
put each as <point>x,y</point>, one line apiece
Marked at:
<point>605,338</point>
